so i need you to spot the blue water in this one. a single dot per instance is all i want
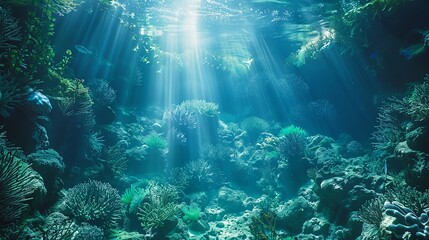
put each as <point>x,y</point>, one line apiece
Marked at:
<point>210,119</point>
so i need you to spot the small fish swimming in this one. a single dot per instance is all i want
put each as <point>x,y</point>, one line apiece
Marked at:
<point>248,62</point>
<point>83,49</point>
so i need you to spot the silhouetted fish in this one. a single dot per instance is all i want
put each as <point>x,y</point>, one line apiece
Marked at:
<point>82,49</point>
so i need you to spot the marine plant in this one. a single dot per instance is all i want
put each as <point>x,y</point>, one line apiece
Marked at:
<point>254,126</point>
<point>102,93</point>
<point>114,161</point>
<point>372,215</point>
<point>418,101</point>
<point>13,92</point>
<point>9,29</point>
<point>95,142</point>
<point>161,206</point>
<point>203,107</point>
<point>133,197</point>
<point>76,104</point>
<point>180,118</point>
<point>16,187</point>
<point>410,197</point>
<point>191,212</point>
<point>389,130</point>
<point>371,212</point>
<point>292,142</point>
<point>56,6</point>
<point>263,225</point>
<point>155,142</point>
<point>292,129</point>
<point>94,202</point>
<point>58,226</point>
<point>352,21</point>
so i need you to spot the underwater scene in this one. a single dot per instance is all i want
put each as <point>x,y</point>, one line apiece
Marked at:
<point>214,119</point>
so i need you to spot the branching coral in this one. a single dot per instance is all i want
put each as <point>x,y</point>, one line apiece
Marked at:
<point>9,29</point>
<point>161,206</point>
<point>114,161</point>
<point>102,92</point>
<point>389,131</point>
<point>16,185</point>
<point>94,202</point>
<point>410,197</point>
<point>372,212</point>
<point>180,118</point>
<point>419,101</point>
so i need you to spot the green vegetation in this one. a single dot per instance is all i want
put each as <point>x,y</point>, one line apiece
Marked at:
<point>161,207</point>
<point>133,197</point>
<point>292,129</point>
<point>155,142</point>
<point>418,101</point>
<point>371,211</point>
<point>191,213</point>
<point>410,197</point>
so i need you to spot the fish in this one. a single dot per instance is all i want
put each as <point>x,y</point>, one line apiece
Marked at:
<point>412,51</point>
<point>83,49</point>
<point>248,62</point>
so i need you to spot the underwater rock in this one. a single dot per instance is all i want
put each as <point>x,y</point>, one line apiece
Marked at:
<point>40,137</point>
<point>358,196</point>
<point>199,226</point>
<point>49,164</point>
<point>418,139</point>
<point>333,189</point>
<point>39,193</point>
<point>231,200</point>
<point>353,149</point>
<point>316,226</point>
<point>39,103</point>
<point>293,215</point>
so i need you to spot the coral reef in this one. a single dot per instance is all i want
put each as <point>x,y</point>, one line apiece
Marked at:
<point>94,202</point>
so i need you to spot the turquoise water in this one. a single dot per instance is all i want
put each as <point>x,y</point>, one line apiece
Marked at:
<point>208,119</point>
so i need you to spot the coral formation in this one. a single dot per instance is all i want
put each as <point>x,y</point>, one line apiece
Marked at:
<point>94,202</point>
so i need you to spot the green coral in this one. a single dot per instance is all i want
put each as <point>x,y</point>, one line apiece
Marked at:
<point>419,101</point>
<point>292,129</point>
<point>191,213</point>
<point>133,197</point>
<point>155,142</point>
<point>160,208</point>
